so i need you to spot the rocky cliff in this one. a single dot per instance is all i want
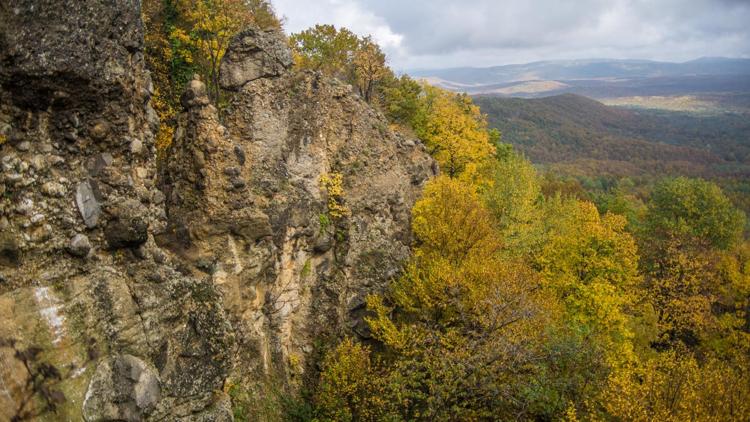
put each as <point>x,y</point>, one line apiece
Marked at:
<point>132,293</point>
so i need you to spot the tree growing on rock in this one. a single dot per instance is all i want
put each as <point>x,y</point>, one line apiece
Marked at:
<point>342,54</point>
<point>184,37</point>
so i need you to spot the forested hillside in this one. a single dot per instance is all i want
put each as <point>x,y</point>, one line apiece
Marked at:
<point>571,129</point>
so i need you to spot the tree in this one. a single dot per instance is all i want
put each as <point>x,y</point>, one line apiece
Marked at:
<point>674,386</point>
<point>352,388</point>
<point>326,49</point>
<point>369,68</point>
<point>454,131</point>
<point>591,263</point>
<point>342,54</point>
<point>462,329</point>
<point>210,26</point>
<point>402,101</point>
<point>512,193</point>
<point>689,230</point>
<point>184,37</point>
<point>694,209</point>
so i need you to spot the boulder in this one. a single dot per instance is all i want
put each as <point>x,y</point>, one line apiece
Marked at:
<point>127,228</point>
<point>88,205</point>
<point>247,203</point>
<point>79,245</point>
<point>195,94</point>
<point>254,54</point>
<point>77,170</point>
<point>123,388</point>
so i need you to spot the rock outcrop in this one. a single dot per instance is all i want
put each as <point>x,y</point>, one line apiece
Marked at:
<point>256,241</point>
<point>80,275</point>
<point>250,202</point>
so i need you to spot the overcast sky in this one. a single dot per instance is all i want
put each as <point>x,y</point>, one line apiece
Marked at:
<point>419,34</point>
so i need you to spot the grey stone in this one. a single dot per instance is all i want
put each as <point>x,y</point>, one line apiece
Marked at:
<point>128,228</point>
<point>55,160</point>
<point>25,207</point>
<point>14,177</point>
<point>158,197</point>
<point>195,94</point>
<point>88,206</point>
<point>99,130</point>
<point>10,248</point>
<point>136,146</point>
<point>123,388</point>
<point>79,245</point>
<point>38,162</point>
<point>240,153</point>
<point>99,162</point>
<point>237,183</point>
<point>322,243</point>
<point>24,146</point>
<point>232,171</point>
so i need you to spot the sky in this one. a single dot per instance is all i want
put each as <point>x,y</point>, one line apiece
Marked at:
<point>428,34</point>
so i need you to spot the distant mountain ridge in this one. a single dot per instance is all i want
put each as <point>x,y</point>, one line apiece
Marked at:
<point>596,77</point>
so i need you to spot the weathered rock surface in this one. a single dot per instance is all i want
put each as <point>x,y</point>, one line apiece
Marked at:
<point>254,54</point>
<point>123,388</point>
<point>80,275</point>
<point>152,291</point>
<point>247,203</point>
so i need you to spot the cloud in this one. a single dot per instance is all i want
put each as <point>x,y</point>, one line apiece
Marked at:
<point>443,33</point>
<point>300,15</point>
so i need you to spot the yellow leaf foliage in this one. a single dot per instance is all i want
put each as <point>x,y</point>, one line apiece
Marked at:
<point>454,130</point>
<point>333,184</point>
<point>674,387</point>
<point>591,263</point>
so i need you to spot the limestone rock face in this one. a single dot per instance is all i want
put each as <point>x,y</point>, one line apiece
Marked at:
<point>249,202</point>
<point>81,278</point>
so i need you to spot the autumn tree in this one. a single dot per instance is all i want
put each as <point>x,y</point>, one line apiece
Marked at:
<point>463,327</point>
<point>210,26</point>
<point>325,48</point>
<point>512,193</point>
<point>369,68</point>
<point>591,263</point>
<point>454,131</point>
<point>674,386</point>
<point>694,209</point>
<point>689,230</point>
<point>184,37</point>
<point>353,387</point>
<point>342,54</point>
